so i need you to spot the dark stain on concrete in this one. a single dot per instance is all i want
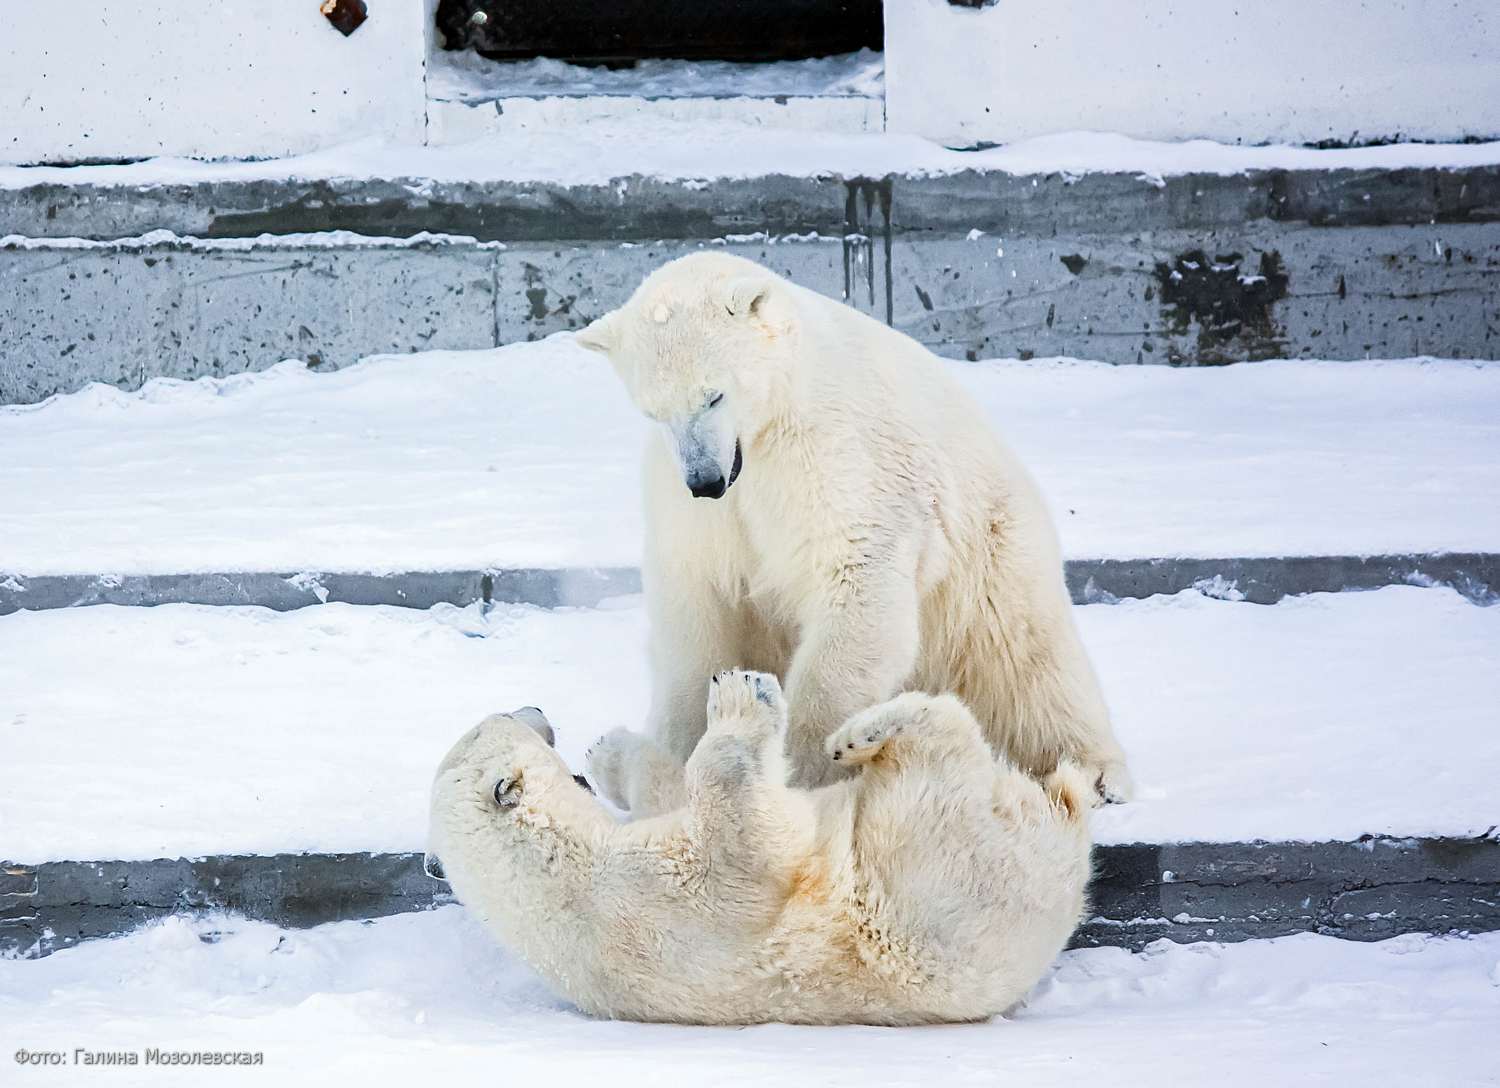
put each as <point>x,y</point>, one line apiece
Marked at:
<point>1074,262</point>
<point>1232,308</point>
<point>536,291</point>
<point>924,298</point>
<point>863,196</point>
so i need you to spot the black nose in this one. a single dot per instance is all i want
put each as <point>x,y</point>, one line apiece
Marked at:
<point>432,865</point>
<point>708,489</point>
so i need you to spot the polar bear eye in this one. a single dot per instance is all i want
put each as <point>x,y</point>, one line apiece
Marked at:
<point>508,792</point>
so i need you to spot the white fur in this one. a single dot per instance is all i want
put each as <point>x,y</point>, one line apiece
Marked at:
<point>935,885</point>
<point>880,537</point>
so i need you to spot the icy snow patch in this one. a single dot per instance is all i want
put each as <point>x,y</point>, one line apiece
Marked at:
<point>526,456</point>
<point>327,239</point>
<point>651,147</point>
<point>464,76</point>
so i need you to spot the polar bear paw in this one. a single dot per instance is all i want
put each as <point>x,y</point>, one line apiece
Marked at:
<point>1113,784</point>
<point>744,702</point>
<point>608,762</point>
<point>863,737</point>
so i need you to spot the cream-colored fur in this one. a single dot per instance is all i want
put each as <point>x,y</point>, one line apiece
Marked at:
<point>935,885</point>
<point>879,537</point>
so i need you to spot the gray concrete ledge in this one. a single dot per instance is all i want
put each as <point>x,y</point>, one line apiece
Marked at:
<point>1476,575</point>
<point>1195,269</point>
<point>645,209</point>
<point>583,588</point>
<point>1367,890</point>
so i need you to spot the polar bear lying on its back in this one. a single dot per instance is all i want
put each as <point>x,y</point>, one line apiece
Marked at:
<point>826,503</point>
<point>936,885</point>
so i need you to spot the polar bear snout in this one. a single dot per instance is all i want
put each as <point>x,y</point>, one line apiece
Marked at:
<point>708,451</point>
<point>710,482</point>
<point>533,716</point>
<point>705,487</point>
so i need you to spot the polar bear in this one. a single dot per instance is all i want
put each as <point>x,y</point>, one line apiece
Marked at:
<point>824,502</point>
<point>935,885</point>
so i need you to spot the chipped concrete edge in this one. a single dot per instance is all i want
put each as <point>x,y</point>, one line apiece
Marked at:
<point>1257,580</point>
<point>1371,889</point>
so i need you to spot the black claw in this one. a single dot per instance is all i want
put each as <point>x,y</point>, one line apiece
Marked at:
<point>837,755</point>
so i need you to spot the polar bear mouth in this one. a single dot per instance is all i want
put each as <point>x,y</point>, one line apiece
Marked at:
<point>739,463</point>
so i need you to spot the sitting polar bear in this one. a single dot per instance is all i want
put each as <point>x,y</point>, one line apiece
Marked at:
<point>936,885</point>
<point>870,535</point>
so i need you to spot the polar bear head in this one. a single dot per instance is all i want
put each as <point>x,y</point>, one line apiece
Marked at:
<point>705,348</point>
<point>482,779</point>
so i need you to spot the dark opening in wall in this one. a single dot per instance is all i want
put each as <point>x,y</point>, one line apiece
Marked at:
<point>619,32</point>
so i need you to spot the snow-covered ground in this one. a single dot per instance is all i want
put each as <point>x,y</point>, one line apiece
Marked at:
<point>651,147</point>
<point>525,456</point>
<point>426,999</point>
<point>185,730</point>
<point>465,76</point>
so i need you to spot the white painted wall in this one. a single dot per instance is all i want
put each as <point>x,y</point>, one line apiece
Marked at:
<point>115,79</point>
<point>1238,71</point>
<point>111,79</point>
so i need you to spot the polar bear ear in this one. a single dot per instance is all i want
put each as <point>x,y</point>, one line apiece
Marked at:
<point>761,299</point>
<point>601,335</point>
<point>746,296</point>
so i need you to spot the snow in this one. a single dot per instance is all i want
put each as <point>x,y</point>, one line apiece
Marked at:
<point>465,76</point>
<point>322,239</point>
<point>193,730</point>
<point>653,147</point>
<point>526,456</point>
<point>427,999</point>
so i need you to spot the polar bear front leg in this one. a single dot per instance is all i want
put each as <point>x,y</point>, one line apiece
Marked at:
<point>858,653</point>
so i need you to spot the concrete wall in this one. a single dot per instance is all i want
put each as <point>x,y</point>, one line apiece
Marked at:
<point>123,313</point>
<point>1194,269</point>
<point>1273,71</point>
<point>121,80</point>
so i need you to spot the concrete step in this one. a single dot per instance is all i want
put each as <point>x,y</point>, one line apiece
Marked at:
<point>974,259</point>
<point>1319,765</point>
<point>1366,890</point>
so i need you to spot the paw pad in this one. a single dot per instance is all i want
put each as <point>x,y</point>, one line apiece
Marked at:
<point>767,689</point>
<point>861,740</point>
